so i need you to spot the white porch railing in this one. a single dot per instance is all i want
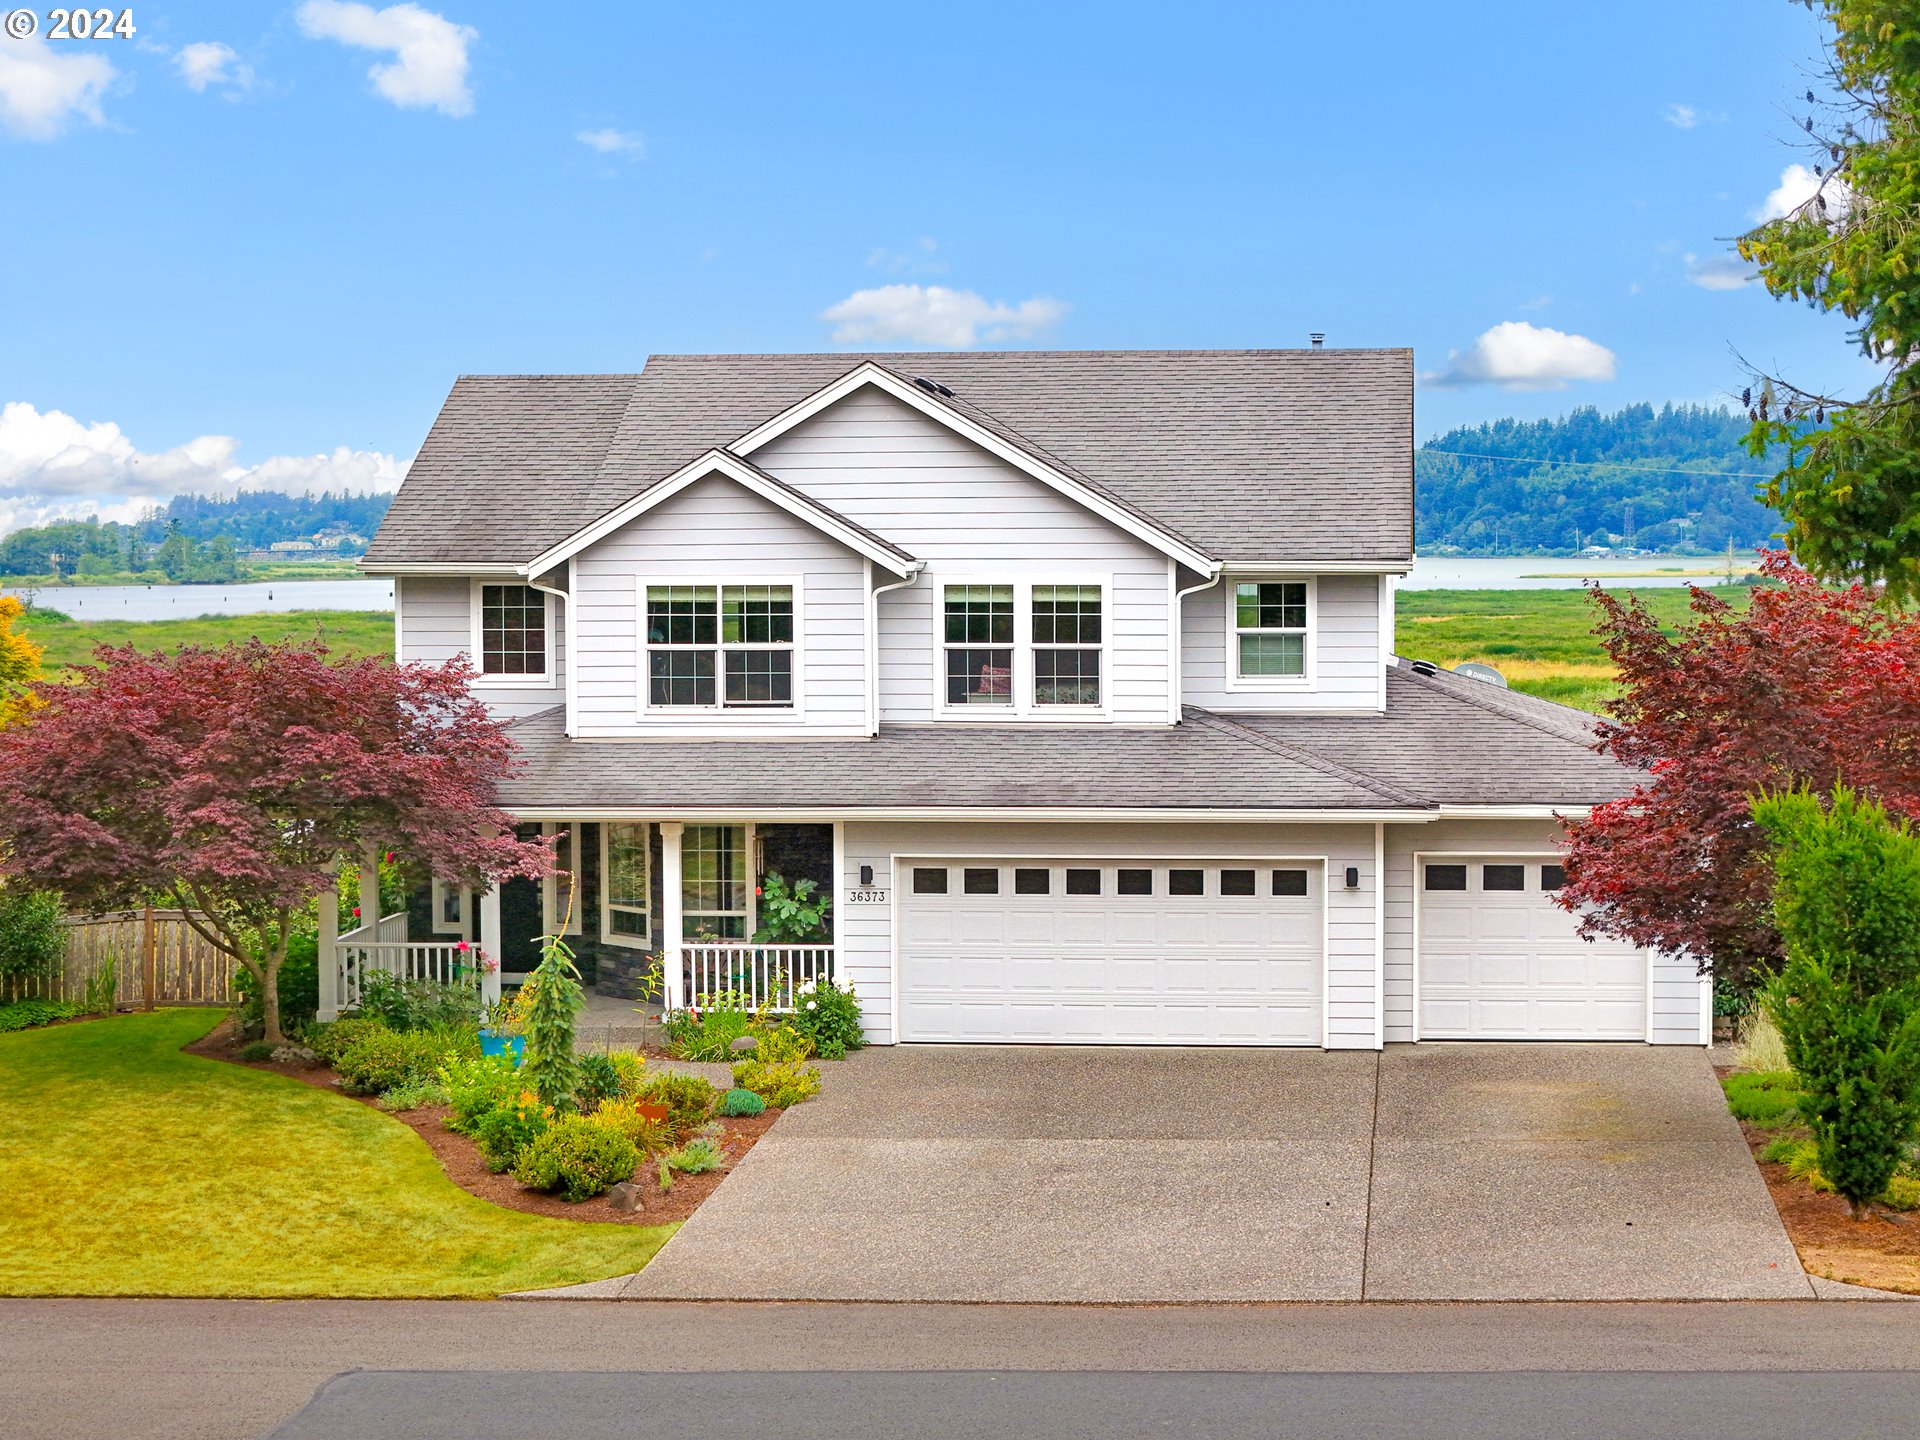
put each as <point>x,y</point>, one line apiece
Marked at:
<point>759,973</point>
<point>383,945</point>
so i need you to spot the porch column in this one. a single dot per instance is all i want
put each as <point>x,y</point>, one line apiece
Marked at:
<point>329,903</point>
<point>370,888</point>
<point>490,942</point>
<point>672,923</point>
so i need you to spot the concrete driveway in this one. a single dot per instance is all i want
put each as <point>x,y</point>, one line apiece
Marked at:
<point>1062,1174</point>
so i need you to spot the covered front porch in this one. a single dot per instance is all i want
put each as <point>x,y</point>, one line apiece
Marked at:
<point>662,912</point>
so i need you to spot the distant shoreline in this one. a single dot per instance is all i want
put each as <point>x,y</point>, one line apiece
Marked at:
<point>125,581</point>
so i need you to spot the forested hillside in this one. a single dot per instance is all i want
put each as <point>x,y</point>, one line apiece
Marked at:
<point>194,537</point>
<point>1631,496</point>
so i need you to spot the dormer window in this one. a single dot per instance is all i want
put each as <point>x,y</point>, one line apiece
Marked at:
<point>1271,623</point>
<point>512,643</point>
<point>726,647</point>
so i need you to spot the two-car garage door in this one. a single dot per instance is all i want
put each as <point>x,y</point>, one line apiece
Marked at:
<point>1498,960</point>
<point>1143,952</point>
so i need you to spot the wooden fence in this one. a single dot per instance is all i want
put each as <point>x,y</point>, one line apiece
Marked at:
<point>158,959</point>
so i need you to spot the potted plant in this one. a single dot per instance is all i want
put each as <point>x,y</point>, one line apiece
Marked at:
<point>502,1027</point>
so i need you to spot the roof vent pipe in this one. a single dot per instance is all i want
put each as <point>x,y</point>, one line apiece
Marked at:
<point>1316,336</point>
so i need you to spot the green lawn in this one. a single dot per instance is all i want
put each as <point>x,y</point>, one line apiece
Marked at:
<point>72,642</point>
<point>1541,640</point>
<point>132,1169</point>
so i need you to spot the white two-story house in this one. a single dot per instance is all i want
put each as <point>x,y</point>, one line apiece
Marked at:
<point>1069,677</point>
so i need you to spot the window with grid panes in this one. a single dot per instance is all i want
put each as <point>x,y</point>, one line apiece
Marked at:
<point>1066,644</point>
<point>1270,629</point>
<point>716,895</point>
<point>977,638</point>
<point>723,646</point>
<point>513,630</point>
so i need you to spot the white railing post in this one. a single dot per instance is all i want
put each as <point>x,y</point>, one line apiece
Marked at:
<point>490,943</point>
<point>370,888</point>
<point>672,917</point>
<point>329,903</point>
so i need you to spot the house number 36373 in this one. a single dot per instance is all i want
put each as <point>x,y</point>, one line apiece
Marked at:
<point>866,897</point>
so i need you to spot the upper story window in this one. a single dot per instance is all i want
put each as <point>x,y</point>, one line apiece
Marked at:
<point>1066,644</point>
<point>720,646</point>
<point>513,633</point>
<point>979,644</point>
<point>1270,622</point>
<point>1022,647</point>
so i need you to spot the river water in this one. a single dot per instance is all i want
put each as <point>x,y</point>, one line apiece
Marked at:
<point>179,602</point>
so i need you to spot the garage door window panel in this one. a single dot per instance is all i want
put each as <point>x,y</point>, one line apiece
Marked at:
<point>1503,878</point>
<point>929,880</point>
<point>1290,882</point>
<point>1083,882</point>
<point>1030,881</point>
<point>1186,882</point>
<point>1446,877</point>
<point>1133,882</point>
<point>980,880</point>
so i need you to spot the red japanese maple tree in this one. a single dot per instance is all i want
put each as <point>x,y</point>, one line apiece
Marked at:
<point>232,781</point>
<point>1807,686</point>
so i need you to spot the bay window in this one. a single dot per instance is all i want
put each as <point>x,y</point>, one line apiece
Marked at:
<point>720,646</point>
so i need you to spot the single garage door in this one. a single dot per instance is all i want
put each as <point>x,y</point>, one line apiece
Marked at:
<point>1089,952</point>
<point>1500,961</point>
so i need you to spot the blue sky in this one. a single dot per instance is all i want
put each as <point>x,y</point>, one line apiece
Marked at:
<point>255,243</point>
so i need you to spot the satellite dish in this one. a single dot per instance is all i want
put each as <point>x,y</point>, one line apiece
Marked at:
<point>1474,670</point>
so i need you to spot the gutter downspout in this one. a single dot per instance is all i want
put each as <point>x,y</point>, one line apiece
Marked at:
<point>1175,682</point>
<point>873,645</point>
<point>565,599</point>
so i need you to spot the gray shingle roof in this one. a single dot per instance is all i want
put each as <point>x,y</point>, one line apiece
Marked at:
<point>1205,763</point>
<point>1464,742</point>
<point>1247,454</point>
<point>1443,741</point>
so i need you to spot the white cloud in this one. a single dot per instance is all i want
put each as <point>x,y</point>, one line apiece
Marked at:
<point>1681,117</point>
<point>430,51</point>
<point>613,142</point>
<point>935,315</point>
<point>1797,186</point>
<point>53,466</point>
<point>1517,356</point>
<point>41,88</point>
<point>1720,272</point>
<point>208,62</point>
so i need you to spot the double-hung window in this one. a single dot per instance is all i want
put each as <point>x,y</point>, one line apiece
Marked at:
<point>513,633</point>
<point>724,647</point>
<point>978,641</point>
<point>625,899</point>
<point>560,892</point>
<point>1270,630</point>
<point>716,892</point>
<point>1066,644</point>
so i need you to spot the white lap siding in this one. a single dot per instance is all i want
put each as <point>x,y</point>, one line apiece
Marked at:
<point>866,932</point>
<point>717,531</point>
<point>1347,658</point>
<point>433,622</point>
<point>1676,992</point>
<point>972,516</point>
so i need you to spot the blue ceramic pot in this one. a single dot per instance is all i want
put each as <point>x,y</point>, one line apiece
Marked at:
<point>496,1044</point>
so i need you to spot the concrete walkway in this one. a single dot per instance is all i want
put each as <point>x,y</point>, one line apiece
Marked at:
<point>1437,1172</point>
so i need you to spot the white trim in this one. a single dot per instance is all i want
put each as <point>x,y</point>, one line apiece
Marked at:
<point>1513,812</point>
<point>1176,626</point>
<point>719,462</point>
<point>730,715</point>
<point>550,899</point>
<point>672,922</point>
<point>1235,569</point>
<point>1379,935</point>
<point>839,887</point>
<point>645,908</point>
<point>1021,703</point>
<point>476,651</point>
<point>868,373</point>
<point>723,814</point>
<point>1307,680</point>
<point>437,893</point>
<point>1386,637</point>
<point>1706,1007</point>
<point>1112,858</point>
<point>442,567</point>
<point>1649,957</point>
<point>399,609</point>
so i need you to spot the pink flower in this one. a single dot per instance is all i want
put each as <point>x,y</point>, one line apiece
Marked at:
<point>356,912</point>
<point>390,855</point>
<point>463,947</point>
<point>487,967</point>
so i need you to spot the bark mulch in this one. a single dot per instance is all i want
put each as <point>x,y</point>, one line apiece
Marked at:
<point>1882,1253</point>
<point>460,1157</point>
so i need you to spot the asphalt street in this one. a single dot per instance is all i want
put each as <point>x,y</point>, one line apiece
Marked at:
<point>236,1369</point>
<point>1100,1405</point>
